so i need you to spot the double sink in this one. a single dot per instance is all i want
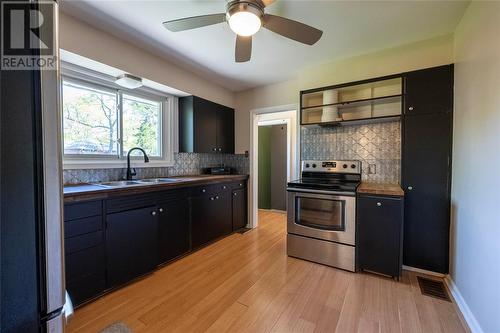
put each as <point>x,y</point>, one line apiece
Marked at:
<point>142,182</point>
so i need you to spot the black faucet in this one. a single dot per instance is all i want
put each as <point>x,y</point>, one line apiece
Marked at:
<point>131,173</point>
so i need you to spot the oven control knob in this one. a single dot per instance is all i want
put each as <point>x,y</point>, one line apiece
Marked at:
<point>353,166</point>
<point>314,165</point>
<point>307,165</point>
<point>345,166</point>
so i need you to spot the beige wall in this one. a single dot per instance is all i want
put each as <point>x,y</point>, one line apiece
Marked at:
<point>475,249</point>
<point>85,40</point>
<point>433,52</point>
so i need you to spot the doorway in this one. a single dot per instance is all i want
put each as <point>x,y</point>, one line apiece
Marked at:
<point>284,120</point>
<point>272,164</point>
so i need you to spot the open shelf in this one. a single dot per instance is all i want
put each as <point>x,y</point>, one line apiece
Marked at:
<point>351,103</point>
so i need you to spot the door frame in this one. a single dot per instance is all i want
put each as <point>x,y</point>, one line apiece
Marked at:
<point>280,114</point>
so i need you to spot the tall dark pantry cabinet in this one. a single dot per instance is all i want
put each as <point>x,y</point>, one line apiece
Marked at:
<point>426,167</point>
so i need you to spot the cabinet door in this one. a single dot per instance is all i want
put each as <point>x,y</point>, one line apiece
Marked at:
<point>380,223</point>
<point>429,90</point>
<point>131,244</point>
<point>211,217</point>
<point>203,217</point>
<point>173,220</point>
<point>426,180</point>
<point>205,126</point>
<point>223,207</point>
<point>239,209</point>
<point>225,130</point>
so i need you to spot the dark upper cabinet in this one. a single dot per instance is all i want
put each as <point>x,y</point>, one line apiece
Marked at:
<point>205,126</point>
<point>380,231</point>
<point>429,90</point>
<point>426,180</point>
<point>239,203</point>
<point>131,244</point>
<point>173,224</point>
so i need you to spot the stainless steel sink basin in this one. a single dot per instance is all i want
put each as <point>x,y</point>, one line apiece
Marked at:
<point>158,180</point>
<point>119,183</point>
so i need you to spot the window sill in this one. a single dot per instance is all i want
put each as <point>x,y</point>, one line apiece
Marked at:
<point>92,164</point>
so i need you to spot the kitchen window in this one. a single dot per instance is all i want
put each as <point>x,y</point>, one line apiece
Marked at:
<point>102,122</point>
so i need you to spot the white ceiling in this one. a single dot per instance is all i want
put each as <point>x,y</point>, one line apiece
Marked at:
<point>350,28</point>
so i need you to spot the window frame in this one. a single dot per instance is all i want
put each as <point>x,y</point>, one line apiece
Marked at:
<point>168,120</point>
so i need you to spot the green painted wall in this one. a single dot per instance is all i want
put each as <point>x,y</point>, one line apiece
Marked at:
<point>264,160</point>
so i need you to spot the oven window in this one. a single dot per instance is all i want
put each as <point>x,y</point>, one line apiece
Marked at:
<point>323,214</point>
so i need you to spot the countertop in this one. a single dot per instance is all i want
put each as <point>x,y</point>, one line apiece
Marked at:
<point>381,189</point>
<point>80,192</point>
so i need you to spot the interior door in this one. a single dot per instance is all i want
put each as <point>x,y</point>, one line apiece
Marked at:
<point>426,180</point>
<point>205,126</point>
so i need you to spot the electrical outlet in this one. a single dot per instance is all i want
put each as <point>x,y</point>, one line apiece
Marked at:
<point>372,169</point>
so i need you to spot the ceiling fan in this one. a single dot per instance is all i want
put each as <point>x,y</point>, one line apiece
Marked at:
<point>245,18</point>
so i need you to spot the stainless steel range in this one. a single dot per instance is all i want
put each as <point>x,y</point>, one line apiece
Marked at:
<point>321,221</point>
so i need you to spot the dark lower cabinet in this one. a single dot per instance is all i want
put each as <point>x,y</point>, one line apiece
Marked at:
<point>131,244</point>
<point>173,227</point>
<point>239,204</point>
<point>211,217</point>
<point>84,251</point>
<point>380,231</point>
<point>111,242</point>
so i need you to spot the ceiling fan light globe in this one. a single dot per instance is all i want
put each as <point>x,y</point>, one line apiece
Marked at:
<point>244,23</point>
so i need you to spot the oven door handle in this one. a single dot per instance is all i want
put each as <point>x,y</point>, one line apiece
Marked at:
<point>303,190</point>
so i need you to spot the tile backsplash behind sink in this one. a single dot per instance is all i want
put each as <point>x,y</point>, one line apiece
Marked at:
<point>377,145</point>
<point>184,164</point>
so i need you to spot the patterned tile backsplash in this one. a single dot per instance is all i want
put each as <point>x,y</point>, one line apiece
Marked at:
<point>184,164</point>
<point>376,144</point>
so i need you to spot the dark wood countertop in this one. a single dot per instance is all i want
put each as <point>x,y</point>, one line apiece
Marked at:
<point>80,192</point>
<point>381,189</point>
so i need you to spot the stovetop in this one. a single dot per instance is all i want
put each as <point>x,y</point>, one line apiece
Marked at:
<point>340,176</point>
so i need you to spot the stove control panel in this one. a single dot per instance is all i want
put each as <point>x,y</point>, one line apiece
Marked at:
<point>332,166</point>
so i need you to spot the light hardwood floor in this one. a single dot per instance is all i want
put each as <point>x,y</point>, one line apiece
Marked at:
<point>246,283</point>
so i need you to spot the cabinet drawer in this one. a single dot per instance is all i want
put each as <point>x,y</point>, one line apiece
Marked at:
<point>82,226</point>
<point>86,262</point>
<point>78,243</point>
<point>82,209</point>
<point>237,185</point>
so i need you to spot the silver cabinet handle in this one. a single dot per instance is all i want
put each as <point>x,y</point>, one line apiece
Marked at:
<point>410,188</point>
<point>153,213</point>
<point>217,197</point>
<point>220,149</point>
<point>203,191</point>
<point>241,184</point>
<point>224,187</point>
<point>234,194</point>
<point>379,204</point>
<point>160,210</point>
<point>212,198</point>
<point>410,108</point>
<point>215,149</point>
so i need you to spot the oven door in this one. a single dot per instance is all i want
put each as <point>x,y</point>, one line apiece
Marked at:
<point>322,215</point>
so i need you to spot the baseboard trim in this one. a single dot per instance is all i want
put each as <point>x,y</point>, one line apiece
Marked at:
<point>423,271</point>
<point>462,305</point>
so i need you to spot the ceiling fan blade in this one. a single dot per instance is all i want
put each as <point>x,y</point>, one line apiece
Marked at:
<point>297,31</point>
<point>194,22</point>
<point>243,49</point>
